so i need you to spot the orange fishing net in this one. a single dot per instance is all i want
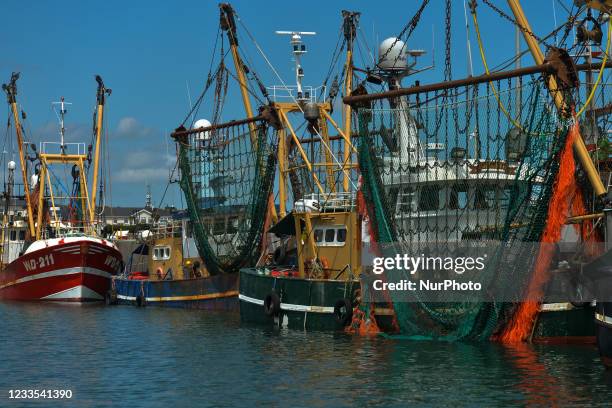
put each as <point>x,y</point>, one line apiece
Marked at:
<point>521,324</point>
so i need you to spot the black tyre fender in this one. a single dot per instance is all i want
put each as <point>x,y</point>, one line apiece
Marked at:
<point>272,304</point>
<point>110,297</point>
<point>141,301</point>
<point>343,311</point>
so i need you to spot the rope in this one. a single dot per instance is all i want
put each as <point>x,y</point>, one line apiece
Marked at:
<point>486,67</point>
<point>601,70</point>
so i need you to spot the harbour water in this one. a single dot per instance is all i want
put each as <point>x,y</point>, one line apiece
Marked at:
<point>151,357</point>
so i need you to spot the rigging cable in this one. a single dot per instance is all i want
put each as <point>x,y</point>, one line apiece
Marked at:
<point>486,67</point>
<point>342,166</point>
<point>601,70</point>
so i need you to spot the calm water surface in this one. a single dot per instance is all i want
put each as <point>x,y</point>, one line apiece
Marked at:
<point>152,357</point>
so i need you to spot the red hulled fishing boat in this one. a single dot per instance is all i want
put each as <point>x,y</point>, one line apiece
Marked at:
<point>58,259</point>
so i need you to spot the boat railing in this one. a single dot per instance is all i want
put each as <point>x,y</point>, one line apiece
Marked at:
<point>67,148</point>
<point>289,93</point>
<point>340,200</point>
<point>166,229</point>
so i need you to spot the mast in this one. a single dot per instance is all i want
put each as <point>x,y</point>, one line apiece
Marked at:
<point>101,99</point>
<point>350,29</point>
<point>579,146</point>
<point>517,66</point>
<point>11,93</point>
<point>62,112</point>
<point>228,25</point>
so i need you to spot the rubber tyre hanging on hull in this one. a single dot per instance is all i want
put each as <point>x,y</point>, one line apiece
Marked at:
<point>343,312</point>
<point>271,305</point>
<point>141,301</point>
<point>110,297</point>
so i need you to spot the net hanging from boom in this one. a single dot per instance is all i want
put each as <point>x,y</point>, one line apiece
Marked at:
<point>227,176</point>
<point>475,162</point>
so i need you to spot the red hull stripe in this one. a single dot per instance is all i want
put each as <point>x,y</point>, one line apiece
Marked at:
<point>59,272</point>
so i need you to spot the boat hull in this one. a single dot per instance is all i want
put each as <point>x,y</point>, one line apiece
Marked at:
<point>69,270</point>
<point>218,292</point>
<point>305,304</point>
<point>603,321</point>
<point>563,323</point>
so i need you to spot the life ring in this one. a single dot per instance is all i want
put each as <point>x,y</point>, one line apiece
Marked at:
<point>343,311</point>
<point>141,301</point>
<point>110,298</point>
<point>272,304</point>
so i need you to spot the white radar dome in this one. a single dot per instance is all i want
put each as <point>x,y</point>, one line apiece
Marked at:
<point>199,124</point>
<point>11,165</point>
<point>392,53</point>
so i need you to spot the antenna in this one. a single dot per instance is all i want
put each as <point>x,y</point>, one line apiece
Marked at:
<point>60,116</point>
<point>299,49</point>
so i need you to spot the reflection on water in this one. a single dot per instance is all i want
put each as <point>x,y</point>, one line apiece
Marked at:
<point>162,357</point>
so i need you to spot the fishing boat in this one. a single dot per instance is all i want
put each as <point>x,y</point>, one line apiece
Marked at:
<point>599,275</point>
<point>57,261</point>
<point>225,175</point>
<point>474,162</point>
<point>483,180</point>
<point>165,270</point>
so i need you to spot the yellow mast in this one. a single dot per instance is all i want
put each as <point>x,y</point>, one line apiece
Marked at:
<point>538,56</point>
<point>350,27</point>
<point>282,185</point>
<point>11,92</point>
<point>228,24</point>
<point>41,197</point>
<point>101,98</point>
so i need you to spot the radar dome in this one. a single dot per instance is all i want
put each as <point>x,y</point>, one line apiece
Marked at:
<point>199,124</point>
<point>11,165</point>
<point>392,54</point>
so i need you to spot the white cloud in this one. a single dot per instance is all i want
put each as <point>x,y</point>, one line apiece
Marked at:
<point>141,175</point>
<point>132,128</point>
<point>144,166</point>
<point>74,132</point>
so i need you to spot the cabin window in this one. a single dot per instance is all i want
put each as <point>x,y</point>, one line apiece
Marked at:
<point>161,253</point>
<point>485,198</point>
<point>330,234</point>
<point>405,200</point>
<point>341,235</point>
<point>232,226</point>
<point>504,198</point>
<point>429,199</point>
<point>219,226</point>
<point>458,197</point>
<point>13,235</point>
<point>22,235</point>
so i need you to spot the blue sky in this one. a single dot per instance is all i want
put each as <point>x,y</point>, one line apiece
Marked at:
<point>149,52</point>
